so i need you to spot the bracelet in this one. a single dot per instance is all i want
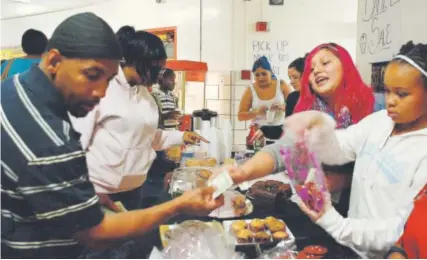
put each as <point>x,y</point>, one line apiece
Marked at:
<point>396,249</point>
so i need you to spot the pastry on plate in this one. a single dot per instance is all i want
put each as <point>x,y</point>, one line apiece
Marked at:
<point>276,226</point>
<point>239,205</point>
<point>191,162</point>
<point>280,235</point>
<point>257,225</point>
<point>262,237</point>
<point>244,236</point>
<point>238,225</point>
<point>209,162</point>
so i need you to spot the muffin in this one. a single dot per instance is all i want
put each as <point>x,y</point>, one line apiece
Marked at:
<point>209,162</point>
<point>315,250</point>
<point>239,205</point>
<point>269,220</point>
<point>280,235</point>
<point>257,225</point>
<point>238,225</point>
<point>244,236</point>
<point>262,237</point>
<point>191,162</point>
<point>276,226</point>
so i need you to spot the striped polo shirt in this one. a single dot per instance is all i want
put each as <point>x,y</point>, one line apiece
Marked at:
<point>46,196</point>
<point>167,103</point>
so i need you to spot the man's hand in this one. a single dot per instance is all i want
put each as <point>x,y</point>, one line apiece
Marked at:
<point>193,138</point>
<point>199,202</point>
<point>105,200</point>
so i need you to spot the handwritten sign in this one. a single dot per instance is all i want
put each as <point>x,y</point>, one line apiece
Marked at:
<point>275,51</point>
<point>379,29</point>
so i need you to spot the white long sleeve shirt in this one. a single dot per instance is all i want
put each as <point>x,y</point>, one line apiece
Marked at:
<point>121,137</point>
<point>389,172</point>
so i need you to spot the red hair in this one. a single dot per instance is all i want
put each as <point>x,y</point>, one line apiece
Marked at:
<point>353,93</point>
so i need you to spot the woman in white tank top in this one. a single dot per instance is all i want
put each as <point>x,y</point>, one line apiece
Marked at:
<point>267,94</point>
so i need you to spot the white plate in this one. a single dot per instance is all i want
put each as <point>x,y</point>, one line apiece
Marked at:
<point>227,211</point>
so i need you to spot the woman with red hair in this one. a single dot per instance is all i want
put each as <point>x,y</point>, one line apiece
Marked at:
<point>332,84</point>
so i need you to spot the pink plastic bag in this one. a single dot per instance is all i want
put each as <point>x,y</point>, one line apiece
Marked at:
<point>305,171</point>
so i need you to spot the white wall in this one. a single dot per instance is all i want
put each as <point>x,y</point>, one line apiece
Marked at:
<point>303,24</point>
<point>227,26</point>
<point>410,21</point>
<point>142,14</point>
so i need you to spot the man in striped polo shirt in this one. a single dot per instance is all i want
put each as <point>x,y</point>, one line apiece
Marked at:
<point>167,101</point>
<point>49,207</point>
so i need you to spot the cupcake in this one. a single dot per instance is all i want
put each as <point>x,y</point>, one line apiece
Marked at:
<point>244,236</point>
<point>262,237</point>
<point>280,235</point>
<point>270,220</point>
<point>276,226</point>
<point>238,225</point>
<point>257,225</point>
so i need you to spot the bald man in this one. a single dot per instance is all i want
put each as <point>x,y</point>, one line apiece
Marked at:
<point>49,207</point>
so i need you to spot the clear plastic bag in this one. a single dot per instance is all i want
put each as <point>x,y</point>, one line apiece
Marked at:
<point>304,171</point>
<point>199,240</point>
<point>281,251</point>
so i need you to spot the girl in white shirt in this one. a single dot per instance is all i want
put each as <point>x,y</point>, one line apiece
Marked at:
<point>389,150</point>
<point>121,134</point>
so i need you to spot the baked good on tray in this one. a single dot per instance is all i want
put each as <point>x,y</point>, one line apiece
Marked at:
<point>257,225</point>
<point>238,225</point>
<point>276,225</point>
<point>264,193</point>
<point>280,235</point>
<point>262,237</point>
<point>244,236</point>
